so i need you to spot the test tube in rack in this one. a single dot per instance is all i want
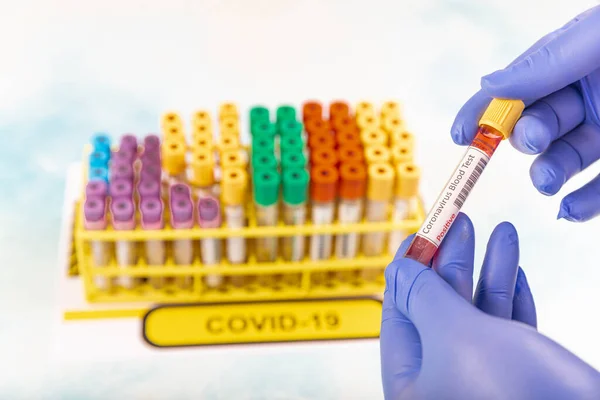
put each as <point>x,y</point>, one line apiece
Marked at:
<point>182,217</point>
<point>151,210</point>
<point>95,219</point>
<point>148,188</point>
<point>323,190</point>
<point>121,188</point>
<point>379,192</point>
<point>129,143</point>
<point>405,200</point>
<point>233,191</point>
<point>123,219</point>
<point>266,200</point>
<point>96,189</point>
<point>209,217</point>
<point>312,110</point>
<point>151,143</point>
<point>295,190</point>
<point>101,142</point>
<point>353,182</point>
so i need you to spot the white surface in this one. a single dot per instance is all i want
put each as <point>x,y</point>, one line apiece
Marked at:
<point>71,68</point>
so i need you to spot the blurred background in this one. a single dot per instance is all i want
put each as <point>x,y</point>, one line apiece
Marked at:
<point>71,68</point>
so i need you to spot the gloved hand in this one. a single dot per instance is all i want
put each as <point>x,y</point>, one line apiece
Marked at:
<point>558,78</point>
<point>437,344</point>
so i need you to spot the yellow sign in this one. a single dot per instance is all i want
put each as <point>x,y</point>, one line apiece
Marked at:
<point>260,322</point>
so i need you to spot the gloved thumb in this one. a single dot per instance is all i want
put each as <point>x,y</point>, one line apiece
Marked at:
<point>572,54</point>
<point>423,297</point>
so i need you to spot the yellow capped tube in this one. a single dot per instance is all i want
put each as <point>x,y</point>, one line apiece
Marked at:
<point>202,142</point>
<point>365,108</point>
<point>390,109</point>
<point>228,143</point>
<point>373,137</point>
<point>234,186</point>
<point>401,153</point>
<point>228,110</point>
<point>405,200</point>
<point>173,158</point>
<point>380,189</point>
<point>203,166</point>
<point>229,126</point>
<point>402,137</point>
<point>392,124</point>
<point>174,133</point>
<point>171,118</point>
<point>234,159</point>
<point>377,154</point>
<point>367,122</point>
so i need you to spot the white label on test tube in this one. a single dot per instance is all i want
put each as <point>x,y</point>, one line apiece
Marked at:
<point>152,219</point>
<point>182,217</point>
<point>451,200</point>
<point>94,213</point>
<point>209,217</point>
<point>236,246</point>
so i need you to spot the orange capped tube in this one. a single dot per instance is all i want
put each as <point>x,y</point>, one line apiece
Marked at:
<point>350,154</point>
<point>312,110</point>
<point>338,109</point>
<point>353,184</point>
<point>321,140</point>
<point>314,126</point>
<point>348,138</point>
<point>405,200</point>
<point>323,191</point>
<point>324,156</point>
<point>344,123</point>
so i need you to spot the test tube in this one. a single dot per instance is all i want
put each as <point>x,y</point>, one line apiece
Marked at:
<point>202,143</point>
<point>295,187</point>
<point>392,124</point>
<point>234,159</point>
<point>321,140</point>
<point>313,126</point>
<point>202,164</point>
<point>182,217</point>
<point>293,161</point>
<point>121,187</point>
<point>372,137</point>
<point>323,191</point>
<point>379,193</point>
<point>338,109</point>
<point>350,154</point>
<point>233,189</point>
<point>266,198</point>
<point>390,109</point>
<point>209,217</point>
<point>123,219</point>
<point>228,143</point>
<point>291,144</point>
<point>99,159</point>
<point>377,154</point>
<point>259,114</point>
<point>202,123</point>
<point>129,142</point>
<point>171,118</point>
<point>151,143</point>
<point>98,174</point>
<point>151,209</point>
<point>353,183</point>
<point>101,142</point>
<point>96,189</point>
<point>291,128</point>
<point>367,122</point>
<point>173,158</point>
<point>121,170</point>
<point>180,191</point>
<point>312,110</point>
<point>496,124</point>
<point>264,128</point>
<point>174,133</point>
<point>348,138</point>
<point>228,110</point>
<point>94,219</point>
<point>403,137</point>
<point>365,108</point>
<point>263,160</point>
<point>324,156</point>
<point>151,156</point>
<point>148,188</point>
<point>123,155</point>
<point>405,200</point>
<point>229,126</point>
<point>151,171</point>
<point>401,153</point>
<point>285,113</point>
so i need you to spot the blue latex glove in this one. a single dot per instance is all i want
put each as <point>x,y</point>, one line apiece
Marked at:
<point>436,343</point>
<point>558,78</point>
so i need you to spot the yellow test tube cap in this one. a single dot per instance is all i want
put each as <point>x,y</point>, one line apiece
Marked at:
<point>392,124</point>
<point>228,143</point>
<point>403,137</point>
<point>229,126</point>
<point>233,186</point>
<point>502,115</point>
<point>377,154</point>
<point>201,117</point>
<point>381,182</point>
<point>171,118</point>
<point>401,153</point>
<point>202,130</point>
<point>202,142</point>
<point>234,159</point>
<point>174,133</point>
<point>407,180</point>
<point>228,110</point>
<point>373,137</point>
<point>390,109</point>
<point>173,156</point>
<point>203,166</point>
<point>365,108</point>
<point>367,122</point>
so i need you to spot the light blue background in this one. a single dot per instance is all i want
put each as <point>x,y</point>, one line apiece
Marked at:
<point>71,68</point>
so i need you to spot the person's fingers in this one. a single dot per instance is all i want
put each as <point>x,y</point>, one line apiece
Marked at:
<point>496,286</point>
<point>548,119</point>
<point>565,157</point>
<point>565,59</point>
<point>583,204</point>
<point>454,259</point>
<point>400,345</point>
<point>422,296</point>
<point>523,305</point>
